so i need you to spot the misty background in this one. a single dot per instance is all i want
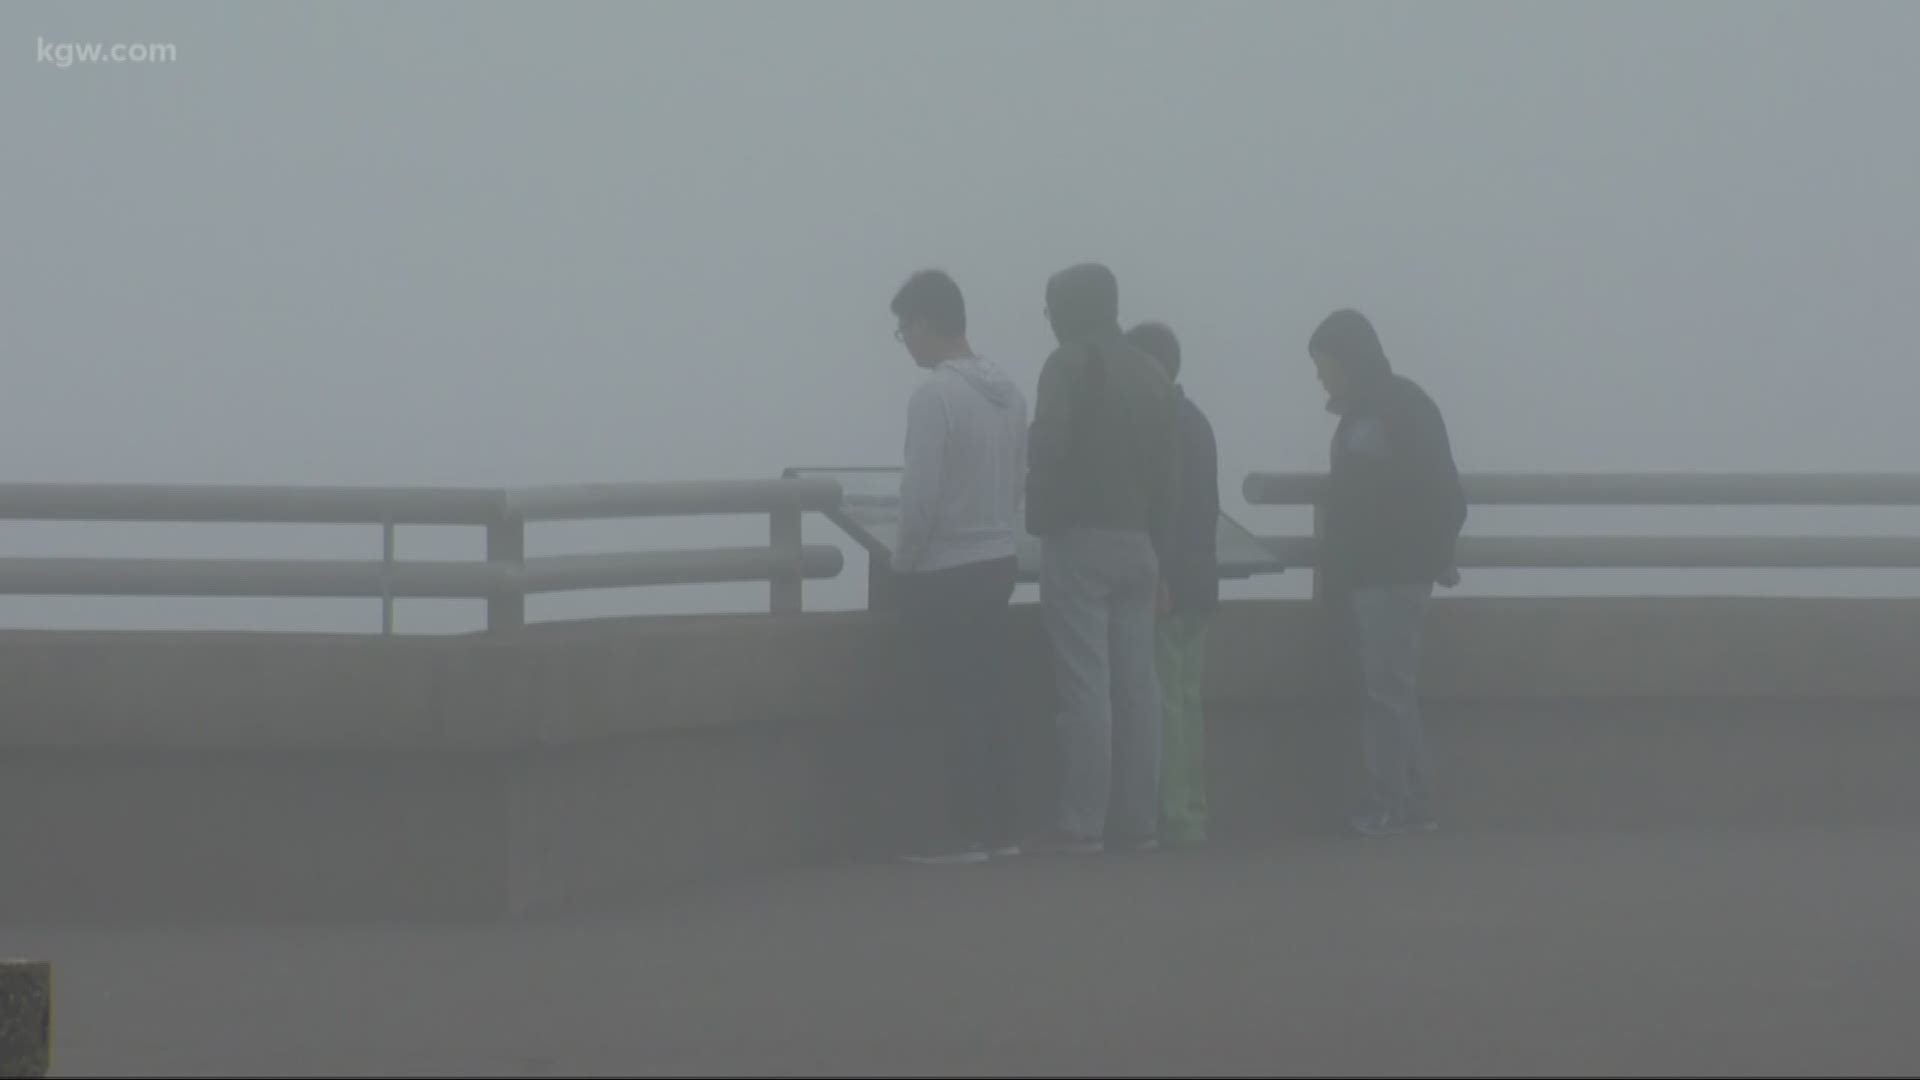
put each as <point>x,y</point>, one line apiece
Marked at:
<point>497,244</point>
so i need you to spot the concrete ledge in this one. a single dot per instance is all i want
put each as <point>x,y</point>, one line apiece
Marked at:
<point>561,685</point>
<point>1601,649</point>
<point>1635,650</point>
<point>1565,767</point>
<point>234,835</point>
<point>232,776</point>
<point>205,691</point>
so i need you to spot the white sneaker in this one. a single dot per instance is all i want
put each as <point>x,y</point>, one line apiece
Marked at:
<point>949,858</point>
<point>1011,851</point>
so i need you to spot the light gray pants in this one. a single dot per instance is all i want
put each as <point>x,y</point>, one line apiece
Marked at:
<point>1385,625</point>
<point>1097,594</point>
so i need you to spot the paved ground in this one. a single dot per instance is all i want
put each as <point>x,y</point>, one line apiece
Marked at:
<point>1635,953</point>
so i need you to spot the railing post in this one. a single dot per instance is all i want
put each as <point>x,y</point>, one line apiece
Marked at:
<point>386,578</point>
<point>507,543</point>
<point>879,583</point>
<point>784,533</point>
<point>1319,551</point>
<point>26,1017</point>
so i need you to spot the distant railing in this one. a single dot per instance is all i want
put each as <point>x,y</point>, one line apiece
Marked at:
<point>1644,552</point>
<point>504,579</point>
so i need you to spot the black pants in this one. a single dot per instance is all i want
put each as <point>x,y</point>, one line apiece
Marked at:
<point>958,620</point>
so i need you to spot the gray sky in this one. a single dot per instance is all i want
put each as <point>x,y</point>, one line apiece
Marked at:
<point>503,243</point>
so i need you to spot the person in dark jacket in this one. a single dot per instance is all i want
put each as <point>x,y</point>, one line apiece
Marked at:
<point>1189,591</point>
<point>1392,513</point>
<point>1099,496</point>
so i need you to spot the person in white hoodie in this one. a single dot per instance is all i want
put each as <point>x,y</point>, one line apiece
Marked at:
<point>955,564</point>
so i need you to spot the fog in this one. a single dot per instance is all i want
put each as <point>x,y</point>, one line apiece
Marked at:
<point>494,244</point>
<point>487,244</point>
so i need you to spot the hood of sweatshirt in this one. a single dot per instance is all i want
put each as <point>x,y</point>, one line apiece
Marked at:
<point>1346,338</point>
<point>985,376</point>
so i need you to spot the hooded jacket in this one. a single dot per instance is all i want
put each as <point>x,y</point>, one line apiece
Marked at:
<point>1394,506</point>
<point>1101,452</point>
<point>1191,567</point>
<point>966,462</point>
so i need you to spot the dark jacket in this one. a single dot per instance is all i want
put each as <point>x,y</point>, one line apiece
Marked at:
<point>1192,567</point>
<point>1100,450</point>
<point>1394,506</point>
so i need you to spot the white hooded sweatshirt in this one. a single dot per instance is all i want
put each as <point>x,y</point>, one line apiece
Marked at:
<point>966,468</point>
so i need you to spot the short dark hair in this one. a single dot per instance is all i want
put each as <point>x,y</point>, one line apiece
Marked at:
<point>932,297</point>
<point>1084,299</point>
<point>1157,340</point>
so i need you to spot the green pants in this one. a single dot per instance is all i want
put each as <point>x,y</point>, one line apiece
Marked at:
<point>1183,761</point>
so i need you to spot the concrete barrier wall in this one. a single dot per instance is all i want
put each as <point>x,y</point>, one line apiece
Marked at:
<point>584,681</point>
<point>221,776</point>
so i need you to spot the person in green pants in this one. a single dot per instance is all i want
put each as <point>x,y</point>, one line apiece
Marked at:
<point>1189,592</point>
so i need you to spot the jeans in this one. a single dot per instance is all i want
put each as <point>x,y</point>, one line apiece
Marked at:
<point>1097,592</point>
<point>958,619</point>
<point>1383,630</point>
<point>1183,765</point>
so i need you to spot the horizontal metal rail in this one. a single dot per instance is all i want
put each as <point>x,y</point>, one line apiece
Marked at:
<point>1632,489</point>
<point>504,579</point>
<point>360,579</point>
<point>1657,552</point>
<point>1705,490</point>
<point>673,499</point>
<point>219,504</point>
<point>687,567</point>
<point>290,578</point>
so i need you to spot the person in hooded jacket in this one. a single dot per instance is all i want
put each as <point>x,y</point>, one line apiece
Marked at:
<point>1190,591</point>
<point>954,561</point>
<point>1100,496</point>
<point>1391,517</point>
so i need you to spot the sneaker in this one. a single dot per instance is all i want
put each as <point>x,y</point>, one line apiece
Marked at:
<point>1374,826</point>
<point>1183,839</point>
<point>1063,844</point>
<point>1144,846</point>
<point>1423,825</point>
<point>963,857</point>
<point>1011,851</point>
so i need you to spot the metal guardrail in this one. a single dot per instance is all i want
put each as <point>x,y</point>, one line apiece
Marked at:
<point>1633,489</point>
<point>1705,490</point>
<point>504,579</point>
